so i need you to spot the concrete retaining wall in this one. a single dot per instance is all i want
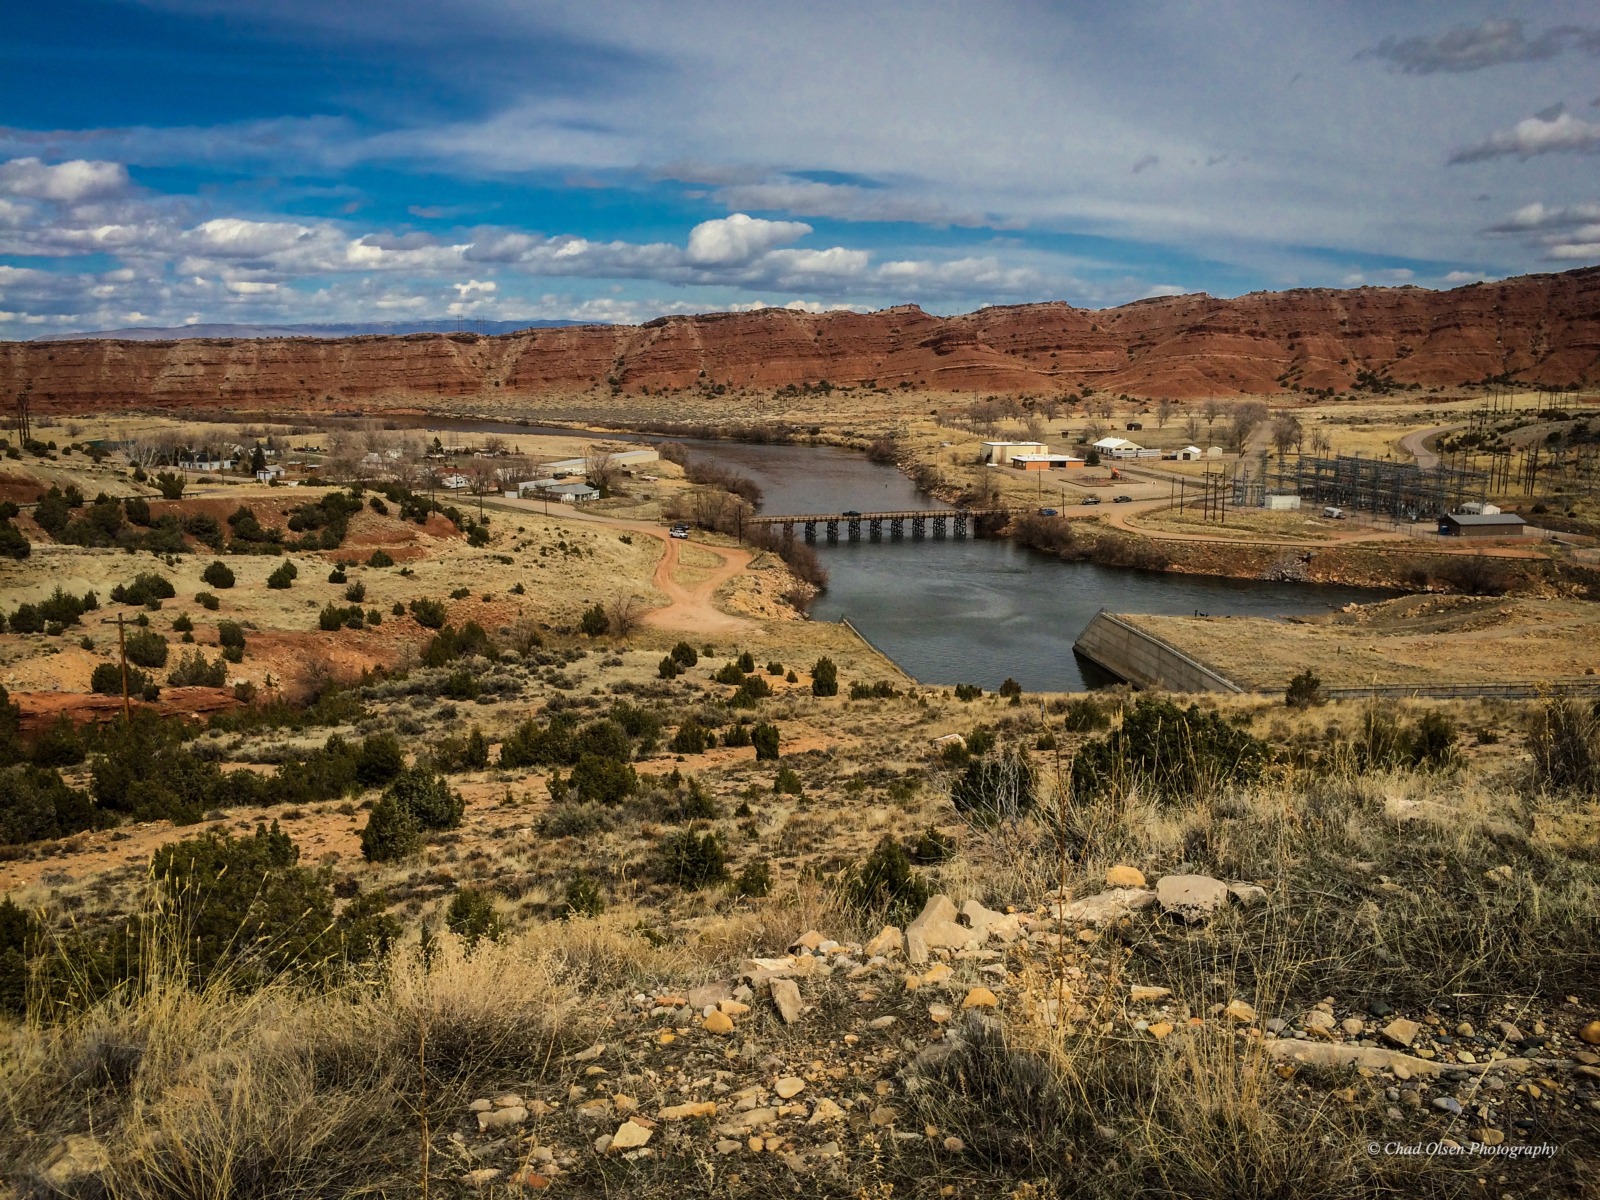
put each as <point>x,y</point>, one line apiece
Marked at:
<point>1145,660</point>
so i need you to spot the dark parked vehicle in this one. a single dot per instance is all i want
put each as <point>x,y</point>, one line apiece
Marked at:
<point>1123,500</point>
<point>1048,512</point>
<point>1090,500</point>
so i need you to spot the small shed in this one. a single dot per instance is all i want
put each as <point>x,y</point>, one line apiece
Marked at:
<point>1481,525</point>
<point>1000,453</point>
<point>1190,453</point>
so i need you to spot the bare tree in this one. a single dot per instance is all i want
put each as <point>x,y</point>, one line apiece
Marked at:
<point>482,478</point>
<point>625,613</point>
<point>1164,411</point>
<point>601,470</point>
<point>1035,427</point>
<point>1101,404</point>
<point>1286,431</point>
<point>1191,427</point>
<point>1243,421</point>
<point>494,446</point>
<point>1210,409</point>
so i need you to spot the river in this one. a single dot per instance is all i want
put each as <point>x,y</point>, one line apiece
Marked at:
<point>974,611</point>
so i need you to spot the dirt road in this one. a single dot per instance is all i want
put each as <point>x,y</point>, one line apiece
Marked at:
<point>1415,444</point>
<point>691,608</point>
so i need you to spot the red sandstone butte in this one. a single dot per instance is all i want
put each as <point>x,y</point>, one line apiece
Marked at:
<point>1536,329</point>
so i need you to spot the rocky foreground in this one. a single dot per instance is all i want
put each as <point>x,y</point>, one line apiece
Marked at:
<point>834,1051</point>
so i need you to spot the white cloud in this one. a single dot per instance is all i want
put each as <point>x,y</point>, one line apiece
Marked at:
<point>67,182</point>
<point>475,286</point>
<point>737,239</point>
<point>1551,132</point>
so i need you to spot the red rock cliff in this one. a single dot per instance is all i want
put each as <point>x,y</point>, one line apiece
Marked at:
<point>1537,329</point>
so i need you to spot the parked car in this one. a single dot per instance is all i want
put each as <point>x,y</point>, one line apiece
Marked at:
<point>1333,514</point>
<point>1123,500</point>
<point>1048,512</point>
<point>1090,500</point>
<point>679,531</point>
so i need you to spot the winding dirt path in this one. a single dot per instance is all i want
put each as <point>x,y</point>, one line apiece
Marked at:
<point>690,609</point>
<point>1416,444</point>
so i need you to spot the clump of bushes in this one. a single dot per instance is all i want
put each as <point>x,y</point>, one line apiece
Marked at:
<point>334,616</point>
<point>218,575</point>
<point>594,621</point>
<point>1304,690</point>
<point>147,589</point>
<point>146,647</point>
<point>471,915</point>
<point>194,671</point>
<point>691,861</point>
<point>824,677</point>
<point>230,636</point>
<point>885,886</point>
<point>285,575</point>
<point>416,802</point>
<point>882,690</point>
<point>430,614</point>
<point>997,788</point>
<point>1175,753</point>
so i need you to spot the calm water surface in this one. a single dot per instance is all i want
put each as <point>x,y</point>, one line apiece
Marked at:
<point>976,611</point>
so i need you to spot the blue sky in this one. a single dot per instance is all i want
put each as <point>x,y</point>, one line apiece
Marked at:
<point>178,161</point>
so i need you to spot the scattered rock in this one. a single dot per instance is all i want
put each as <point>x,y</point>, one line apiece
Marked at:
<point>1317,1021</point>
<point>786,998</point>
<point>1401,1031</point>
<point>808,940</point>
<point>825,1110</point>
<point>885,1114</point>
<point>1191,898</point>
<point>954,1144</point>
<point>888,942</point>
<point>719,1022</point>
<point>1486,1136</point>
<point>986,923</point>
<point>1590,1033</point>
<point>1124,877</point>
<point>936,928</point>
<point>1347,1054</point>
<point>1353,1026</point>
<point>689,1111</point>
<point>1248,895</point>
<point>1141,994</point>
<point>939,1013</point>
<point>1159,1030</point>
<point>1105,908</point>
<point>630,1135</point>
<point>789,1087</point>
<point>980,997</point>
<point>1448,1104</point>
<point>482,1176</point>
<point>937,973</point>
<point>880,1022</point>
<point>498,1118</point>
<point>1240,1011</point>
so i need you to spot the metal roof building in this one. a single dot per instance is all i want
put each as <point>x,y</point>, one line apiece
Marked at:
<point>1481,525</point>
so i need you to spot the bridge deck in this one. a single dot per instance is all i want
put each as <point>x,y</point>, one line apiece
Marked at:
<point>904,515</point>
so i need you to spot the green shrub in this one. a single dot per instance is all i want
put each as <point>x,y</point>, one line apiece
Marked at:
<point>430,614</point>
<point>426,796</point>
<point>218,575</point>
<point>747,662</point>
<point>668,668</point>
<point>968,691</point>
<point>755,880</point>
<point>685,655</point>
<point>146,588</point>
<point>106,680</point>
<point>355,592</point>
<point>230,636</point>
<point>765,739</point>
<point>691,804</point>
<point>737,734</point>
<point>885,886</point>
<point>170,485</point>
<point>585,897</point>
<point>882,690</point>
<point>207,601</point>
<point>692,738</point>
<point>471,916</point>
<point>145,647</point>
<point>730,673</point>
<point>1011,689</point>
<point>450,644</point>
<point>1085,714</point>
<point>932,848</point>
<point>13,542</point>
<point>824,678</point>
<point>594,621</point>
<point>285,575</point>
<point>1433,742</point>
<point>995,789</point>
<point>1304,690</point>
<point>774,668</point>
<point>691,861</point>
<point>788,782</point>
<point>1175,753</point>
<point>599,780</point>
<point>36,804</point>
<point>59,745</point>
<point>194,671</point>
<point>379,760</point>
<point>380,558</point>
<point>1565,743</point>
<point>390,834</point>
<point>337,575</point>
<point>182,624</point>
<point>27,619</point>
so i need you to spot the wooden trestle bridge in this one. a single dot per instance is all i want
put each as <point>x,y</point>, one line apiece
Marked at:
<point>920,523</point>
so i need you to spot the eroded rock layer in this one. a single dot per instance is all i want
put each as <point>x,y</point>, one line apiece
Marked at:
<point>1536,329</point>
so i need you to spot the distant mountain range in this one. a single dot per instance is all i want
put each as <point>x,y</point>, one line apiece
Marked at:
<point>1532,330</point>
<point>144,333</point>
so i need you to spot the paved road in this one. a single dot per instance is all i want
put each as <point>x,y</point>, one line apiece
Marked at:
<point>1415,444</point>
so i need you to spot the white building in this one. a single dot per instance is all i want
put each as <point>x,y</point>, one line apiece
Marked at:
<point>1190,454</point>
